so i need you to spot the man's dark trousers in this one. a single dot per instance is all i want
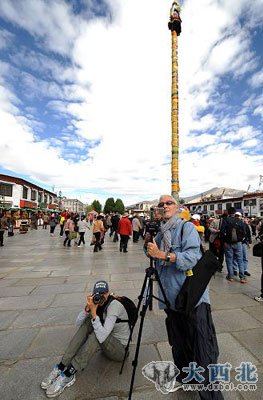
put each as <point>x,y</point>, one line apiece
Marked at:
<point>193,338</point>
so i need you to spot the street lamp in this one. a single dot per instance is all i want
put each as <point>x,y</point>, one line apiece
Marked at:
<point>59,202</point>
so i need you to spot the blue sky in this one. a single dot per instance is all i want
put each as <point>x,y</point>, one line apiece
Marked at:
<point>85,96</point>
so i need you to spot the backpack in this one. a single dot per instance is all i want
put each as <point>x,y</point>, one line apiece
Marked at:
<point>234,232</point>
<point>130,308</point>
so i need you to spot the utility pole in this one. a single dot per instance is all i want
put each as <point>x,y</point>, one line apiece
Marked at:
<point>174,26</point>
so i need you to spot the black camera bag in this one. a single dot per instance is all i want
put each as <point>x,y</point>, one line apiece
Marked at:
<point>195,285</point>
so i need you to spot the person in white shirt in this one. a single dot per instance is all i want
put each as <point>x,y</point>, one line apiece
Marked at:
<point>82,227</point>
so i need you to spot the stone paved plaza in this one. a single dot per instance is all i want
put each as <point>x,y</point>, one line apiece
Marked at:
<point>43,287</point>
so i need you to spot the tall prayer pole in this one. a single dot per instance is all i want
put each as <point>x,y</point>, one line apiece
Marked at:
<point>174,26</point>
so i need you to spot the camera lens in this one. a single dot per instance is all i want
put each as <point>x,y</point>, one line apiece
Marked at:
<point>97,297</point>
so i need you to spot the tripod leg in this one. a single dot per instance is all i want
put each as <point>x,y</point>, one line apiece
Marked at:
<point>165,300</point>
<point>140,298</point>
<point>135,361</point>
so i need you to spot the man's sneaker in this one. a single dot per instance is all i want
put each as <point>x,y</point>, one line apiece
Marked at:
<point>60,384</point>
<point>50,378</point>
<point>247,273</point>
<point>258,298</point>
<point>243,280</point>
<point>228,278</point>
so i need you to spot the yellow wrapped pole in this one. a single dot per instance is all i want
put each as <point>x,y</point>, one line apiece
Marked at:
<point>175,27</point>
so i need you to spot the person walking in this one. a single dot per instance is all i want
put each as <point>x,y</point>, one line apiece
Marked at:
<point>45,221</point>
<point>61,224</point>
<point>125,231</point>
<point>98,232</point>
<point>82,227</point>
<point>69,230</point>
<point>52,225</point>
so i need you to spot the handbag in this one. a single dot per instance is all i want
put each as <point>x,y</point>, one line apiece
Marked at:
<point>195,285</point>
<point>72,235</point>
<point>257,249</point>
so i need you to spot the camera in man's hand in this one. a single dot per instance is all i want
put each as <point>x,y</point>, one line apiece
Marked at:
<point>97,298</point>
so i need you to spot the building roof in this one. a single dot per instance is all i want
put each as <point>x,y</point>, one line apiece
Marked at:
<point>20,181</point>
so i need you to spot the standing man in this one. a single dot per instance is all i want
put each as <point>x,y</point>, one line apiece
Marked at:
<point>192,336</point>
<point>125,231</point>
<point>3,226</point>
<point>232,233</point>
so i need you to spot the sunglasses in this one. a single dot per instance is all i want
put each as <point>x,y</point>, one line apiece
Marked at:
<point>168,203</point>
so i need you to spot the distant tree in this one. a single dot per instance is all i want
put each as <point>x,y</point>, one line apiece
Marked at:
<point>109,205</point>
<point>88,208</point>
<point>119,206</point>
<point>95,205</point>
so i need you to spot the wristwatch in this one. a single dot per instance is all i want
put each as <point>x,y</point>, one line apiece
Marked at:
<point>168,257</point>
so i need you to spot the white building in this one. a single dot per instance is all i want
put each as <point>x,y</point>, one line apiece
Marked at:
<point>18,193</point>
<point>249,204</point>
<point>72,205</point>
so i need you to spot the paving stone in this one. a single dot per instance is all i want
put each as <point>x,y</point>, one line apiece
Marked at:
<point>252,339</point>
<point>64,288</point>
<point>23,380</point>
<point>121,286</point>
<point>14,343</point>
<point>46,317</point>
<point>232,351</point>
<point>8,282</point>
<point>50,341</point>
<point>6,318</point>
<point>165,351</point>
<point>40,281</point>
<point>25,302</point>
<point>29,274</point>
<point>233,320</point>
<point>77,279</point>
<point>127,277</point>
<point>154,394</point>
<point>228,301</point>
<point>256,311</point>
<point>13,291</point>
<point>258,394</point>
<point>69,299</point>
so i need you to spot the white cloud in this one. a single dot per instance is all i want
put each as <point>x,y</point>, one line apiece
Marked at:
<point>119,95</point>
<point>256,80</point>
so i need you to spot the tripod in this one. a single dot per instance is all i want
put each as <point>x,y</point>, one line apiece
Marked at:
<point>146,296</point>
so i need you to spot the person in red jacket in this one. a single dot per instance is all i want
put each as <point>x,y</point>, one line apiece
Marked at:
<point>125,231</point>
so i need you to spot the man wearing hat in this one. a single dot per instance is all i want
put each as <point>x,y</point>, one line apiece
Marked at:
<point>98,329</point>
